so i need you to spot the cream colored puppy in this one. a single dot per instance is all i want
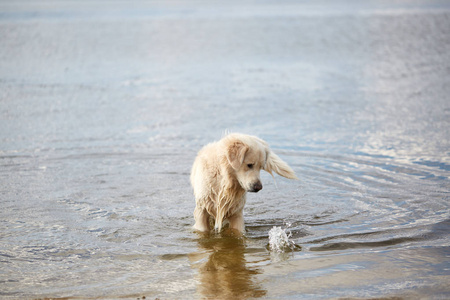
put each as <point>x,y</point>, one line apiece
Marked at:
<point>222,174</point>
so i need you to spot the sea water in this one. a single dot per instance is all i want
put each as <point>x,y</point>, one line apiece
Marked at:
<point>104,107</point>
<point>279,240</point>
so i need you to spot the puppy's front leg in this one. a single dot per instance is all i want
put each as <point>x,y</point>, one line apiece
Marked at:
<point>201,217</point>
<point>237,221</point>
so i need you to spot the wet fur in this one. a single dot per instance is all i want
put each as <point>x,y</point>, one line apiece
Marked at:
<point>221,176</point>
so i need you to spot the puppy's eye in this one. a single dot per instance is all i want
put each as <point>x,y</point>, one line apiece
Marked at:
<point>250,166</point>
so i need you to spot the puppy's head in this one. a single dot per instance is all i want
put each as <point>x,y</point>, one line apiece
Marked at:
<point>246,157</point>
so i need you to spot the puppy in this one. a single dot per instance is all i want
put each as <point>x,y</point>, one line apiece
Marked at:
<point>224,172</point>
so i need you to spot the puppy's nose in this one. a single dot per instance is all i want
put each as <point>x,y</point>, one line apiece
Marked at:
<point>257,187</point>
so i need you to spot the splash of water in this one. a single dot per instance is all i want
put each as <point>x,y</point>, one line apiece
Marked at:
<point>279,240</point>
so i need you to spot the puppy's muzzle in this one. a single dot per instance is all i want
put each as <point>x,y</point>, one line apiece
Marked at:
<point>256,187</point>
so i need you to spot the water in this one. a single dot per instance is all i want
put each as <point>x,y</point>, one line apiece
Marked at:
<point>279,240</point>
<point>103,108</point>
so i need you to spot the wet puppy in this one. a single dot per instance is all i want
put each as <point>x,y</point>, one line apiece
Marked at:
<point>224,172</point>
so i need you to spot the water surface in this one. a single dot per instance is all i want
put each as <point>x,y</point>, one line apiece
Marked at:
<point>104,106</point>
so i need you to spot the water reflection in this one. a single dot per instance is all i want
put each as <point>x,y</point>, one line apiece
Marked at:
<point>223,271</point>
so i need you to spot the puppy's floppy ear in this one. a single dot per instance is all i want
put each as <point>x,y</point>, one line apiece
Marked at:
<point>276,164</point>
<point>236,153</point>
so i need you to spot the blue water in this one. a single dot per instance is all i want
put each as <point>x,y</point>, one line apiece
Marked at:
<point>103,108</point>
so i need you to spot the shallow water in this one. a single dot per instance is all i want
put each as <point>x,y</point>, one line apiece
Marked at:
<point>103,108</point>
